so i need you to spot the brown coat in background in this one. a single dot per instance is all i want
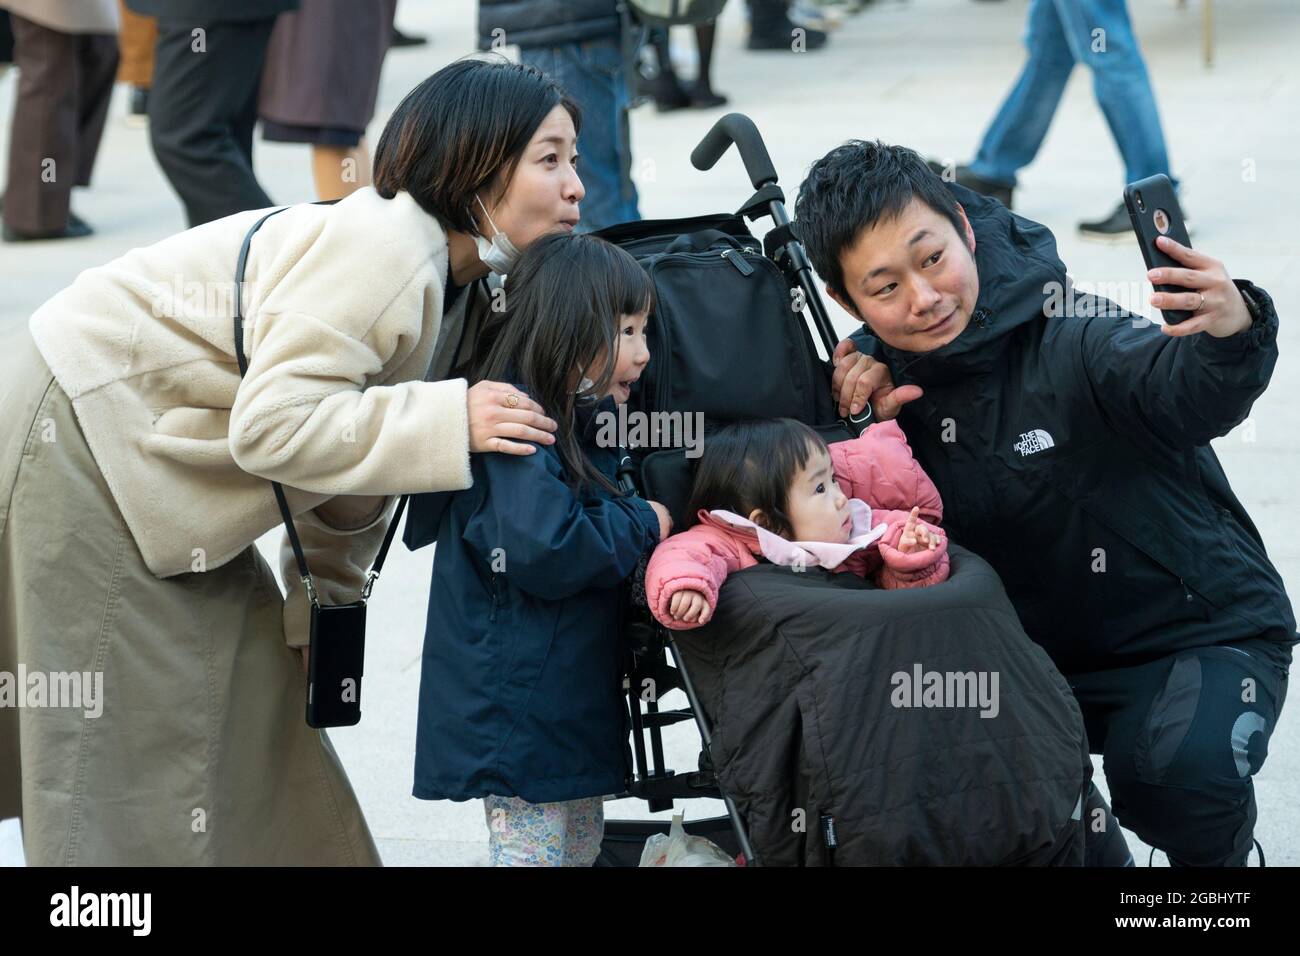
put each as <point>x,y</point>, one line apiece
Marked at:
<point>67,16</point>
<point>323,64</point>
<point>66,55</point>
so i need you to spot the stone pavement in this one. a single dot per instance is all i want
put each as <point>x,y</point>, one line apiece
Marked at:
<point>927,73</point>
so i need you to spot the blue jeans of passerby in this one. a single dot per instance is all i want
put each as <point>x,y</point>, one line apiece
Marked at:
<point>1059,34</point>
<point>593,75</point>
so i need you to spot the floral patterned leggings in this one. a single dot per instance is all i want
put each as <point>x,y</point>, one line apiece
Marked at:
<point>567,833</point>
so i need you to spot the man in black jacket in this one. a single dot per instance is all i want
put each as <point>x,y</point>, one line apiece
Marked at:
<point>579,43</point>
<point>1070,442</point>
<point>203,105</point>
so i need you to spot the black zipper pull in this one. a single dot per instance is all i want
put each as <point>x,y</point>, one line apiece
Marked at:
<point>980,317</point>
<point>737,260</point>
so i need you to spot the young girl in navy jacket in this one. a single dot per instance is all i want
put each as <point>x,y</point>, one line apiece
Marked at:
<point>520,691</point>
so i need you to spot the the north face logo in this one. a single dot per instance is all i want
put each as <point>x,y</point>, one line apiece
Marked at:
<point>1033,441</point>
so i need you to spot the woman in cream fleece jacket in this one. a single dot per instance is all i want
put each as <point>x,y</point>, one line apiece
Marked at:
<point>135,472</point>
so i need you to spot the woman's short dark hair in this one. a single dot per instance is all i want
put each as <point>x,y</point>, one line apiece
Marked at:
<point>564,298</point>
<point>853,187</point>
<point>455,132</point>
<point>750,465</point>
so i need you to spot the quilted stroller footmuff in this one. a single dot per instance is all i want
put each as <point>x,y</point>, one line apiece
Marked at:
<point>857,726</point>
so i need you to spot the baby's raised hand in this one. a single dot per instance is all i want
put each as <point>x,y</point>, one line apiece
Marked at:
<point>917,535</point>
<point>690,607</point>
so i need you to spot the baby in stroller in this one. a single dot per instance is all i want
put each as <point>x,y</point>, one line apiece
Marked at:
<point>799,674</point>
<point>804,504</point>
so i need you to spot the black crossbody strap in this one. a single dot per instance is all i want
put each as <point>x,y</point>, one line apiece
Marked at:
<point>388,538</point>
<point>280,500</point>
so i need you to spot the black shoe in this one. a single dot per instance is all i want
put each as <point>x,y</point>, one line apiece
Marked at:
<point>964,177</point>
<point>785,37</point>
<point>703,98</point>
<point>667,92</point>
<point>76,228</point>
<point>406,39</point>
<point>1117,227</point>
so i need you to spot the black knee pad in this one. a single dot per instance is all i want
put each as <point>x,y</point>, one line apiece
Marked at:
<point>1209,723</point>
<point>1204,736</point>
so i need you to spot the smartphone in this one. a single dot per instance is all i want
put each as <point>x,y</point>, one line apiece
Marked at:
<point>338,650</point>
<point>1153,209</point>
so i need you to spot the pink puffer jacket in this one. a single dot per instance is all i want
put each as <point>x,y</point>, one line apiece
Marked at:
<point>878,469</point>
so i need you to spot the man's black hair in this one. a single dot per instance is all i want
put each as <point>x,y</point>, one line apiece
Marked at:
<point>853,187</point>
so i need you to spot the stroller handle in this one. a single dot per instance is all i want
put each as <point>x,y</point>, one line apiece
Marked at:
<point>739,129</point>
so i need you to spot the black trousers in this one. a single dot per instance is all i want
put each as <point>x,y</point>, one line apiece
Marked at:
<point>6,38</point>
<point>1180,739</point>
<point>769,15</point>
<point>65,82</point>
<point>202,111</point>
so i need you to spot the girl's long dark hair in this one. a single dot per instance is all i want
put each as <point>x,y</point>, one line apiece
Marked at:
<point>563,301</point>
<point>749,465</point>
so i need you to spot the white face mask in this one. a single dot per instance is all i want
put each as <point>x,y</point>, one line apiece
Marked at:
<point>499,254</point>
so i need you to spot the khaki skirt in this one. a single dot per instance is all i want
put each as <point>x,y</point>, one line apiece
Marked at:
<point>194,750</point>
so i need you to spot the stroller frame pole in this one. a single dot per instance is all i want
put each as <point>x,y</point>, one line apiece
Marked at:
<point>742,832</point>
<point>793,253</point>
<point>793,259</point>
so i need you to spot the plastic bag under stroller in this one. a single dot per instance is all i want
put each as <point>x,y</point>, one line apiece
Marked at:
<point>679,848</point>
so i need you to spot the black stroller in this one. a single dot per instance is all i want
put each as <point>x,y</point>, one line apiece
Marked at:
<point>731,339</point>
<point>758,298</point>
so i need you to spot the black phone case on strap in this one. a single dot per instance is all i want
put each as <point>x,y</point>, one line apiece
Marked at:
<point>338,632</point>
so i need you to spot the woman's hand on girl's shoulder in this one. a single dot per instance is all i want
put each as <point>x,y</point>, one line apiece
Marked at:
<point>665,519</point>
<point>499,412</point>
